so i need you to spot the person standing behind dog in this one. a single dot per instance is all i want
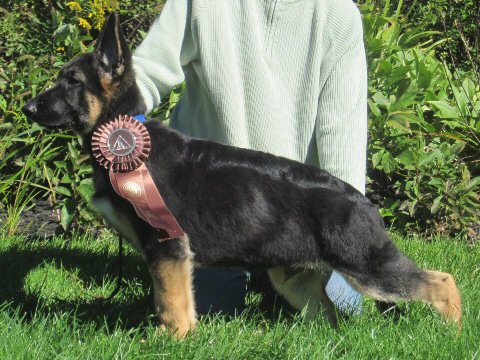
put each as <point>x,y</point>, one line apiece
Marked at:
<point>286,77</point>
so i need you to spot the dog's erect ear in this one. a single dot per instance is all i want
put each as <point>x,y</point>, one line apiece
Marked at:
<point>112,47</point>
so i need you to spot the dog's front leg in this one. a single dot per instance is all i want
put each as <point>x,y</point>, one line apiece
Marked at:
<point>173,292</point>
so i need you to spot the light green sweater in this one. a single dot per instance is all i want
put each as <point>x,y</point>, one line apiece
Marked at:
<point>286,77</point>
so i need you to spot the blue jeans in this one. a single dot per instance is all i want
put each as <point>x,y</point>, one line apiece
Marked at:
<point>219,291</point>
<point>222,290</point>
<point>346,299</point>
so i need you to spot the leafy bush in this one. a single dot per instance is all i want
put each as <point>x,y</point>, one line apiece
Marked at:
<point>424,128</point>
<point>455,20</point>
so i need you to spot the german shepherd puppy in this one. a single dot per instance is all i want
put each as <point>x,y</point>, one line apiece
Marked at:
<point>240,208</point>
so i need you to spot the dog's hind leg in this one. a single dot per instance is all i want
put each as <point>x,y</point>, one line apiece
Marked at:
<point>388,276</point>
<point>304,289</point>
<point>173,294</point>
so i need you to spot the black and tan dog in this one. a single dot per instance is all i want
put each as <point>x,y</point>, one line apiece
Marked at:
<point>240,208</point>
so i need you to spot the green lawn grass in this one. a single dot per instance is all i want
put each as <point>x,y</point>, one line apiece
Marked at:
<point>48,310</point>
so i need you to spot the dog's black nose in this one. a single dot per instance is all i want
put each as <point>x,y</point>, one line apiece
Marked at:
<point>30,108</point>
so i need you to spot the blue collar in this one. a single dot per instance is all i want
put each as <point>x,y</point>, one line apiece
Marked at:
<point>140,117</point>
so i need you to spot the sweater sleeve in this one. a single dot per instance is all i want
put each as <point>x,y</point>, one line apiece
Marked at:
<point>341,124</point>
<point>167,47</point>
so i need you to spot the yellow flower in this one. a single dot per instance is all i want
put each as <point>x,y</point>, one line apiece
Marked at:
<point>98,8</point>
<point>111,5</point>
<point>84,23</point>
<point>61,49</point>
<point>75,6</point>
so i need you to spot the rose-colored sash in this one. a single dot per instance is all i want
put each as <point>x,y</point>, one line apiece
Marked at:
<point>137,187</point>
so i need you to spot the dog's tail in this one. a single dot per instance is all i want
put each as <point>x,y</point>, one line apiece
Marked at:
<point>390,277</point>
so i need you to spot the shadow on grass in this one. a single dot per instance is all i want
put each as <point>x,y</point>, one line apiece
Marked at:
<point>125,309</point>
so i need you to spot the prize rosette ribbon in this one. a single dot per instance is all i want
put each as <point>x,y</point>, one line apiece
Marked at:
<point>121,145</point>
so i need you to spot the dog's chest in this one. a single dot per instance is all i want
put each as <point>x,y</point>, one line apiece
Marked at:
<point>118,220</point>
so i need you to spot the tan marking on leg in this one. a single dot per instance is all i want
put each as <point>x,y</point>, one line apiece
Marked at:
<point>305,289</point>
<point>441,291</point>
<point>173,294</point>
<point>94,108</point>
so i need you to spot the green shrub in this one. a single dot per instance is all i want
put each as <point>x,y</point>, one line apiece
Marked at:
<point>424,130</point>
<point>456,20</point>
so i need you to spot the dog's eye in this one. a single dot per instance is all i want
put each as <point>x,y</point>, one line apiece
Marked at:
<point>72,79</point>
